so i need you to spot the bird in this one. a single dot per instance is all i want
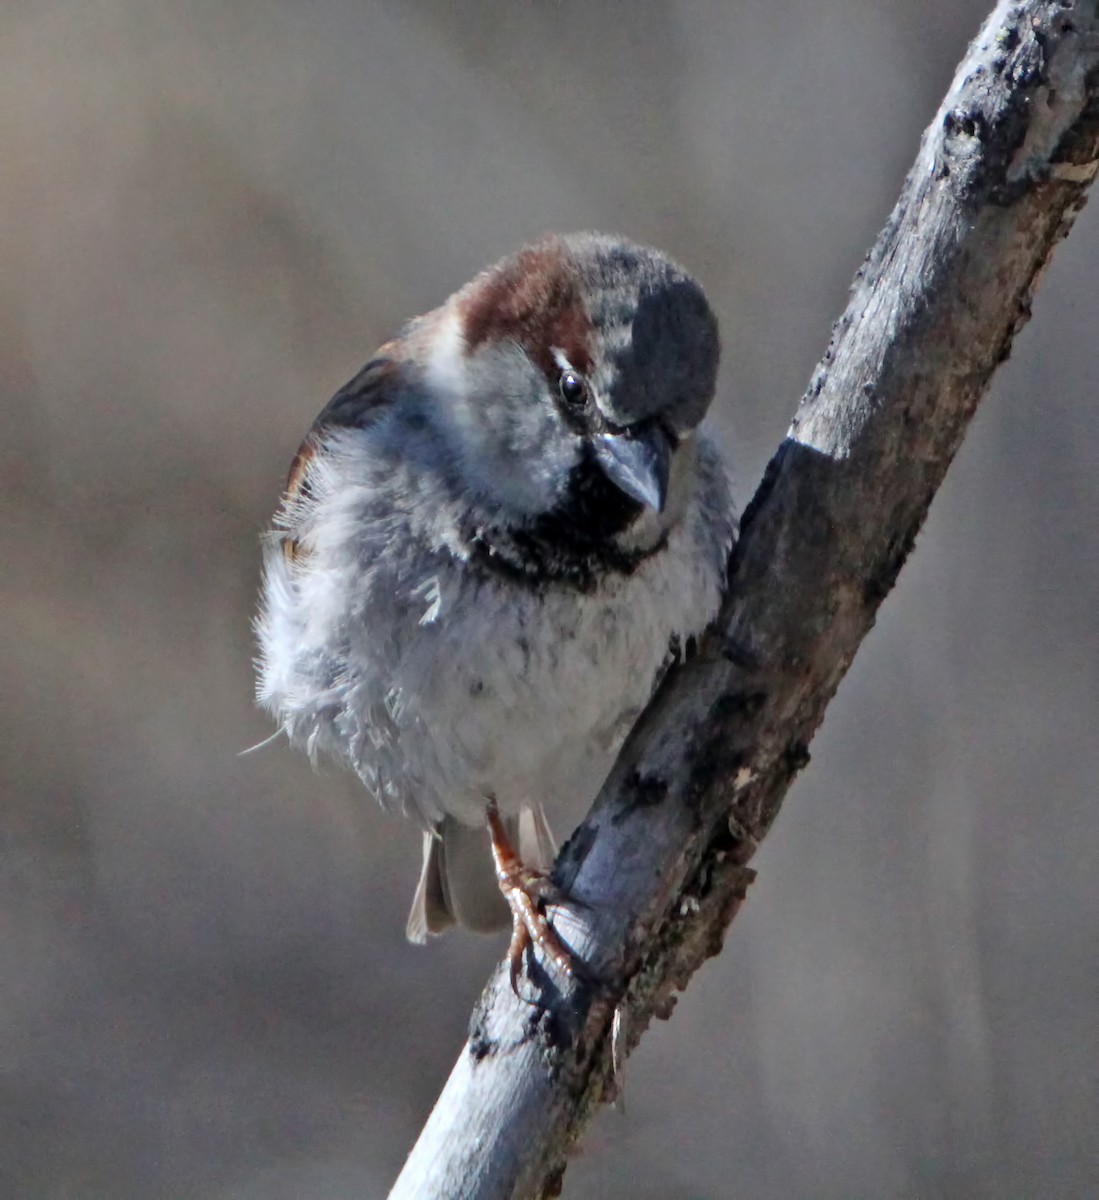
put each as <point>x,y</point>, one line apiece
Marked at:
<point>492,543</point>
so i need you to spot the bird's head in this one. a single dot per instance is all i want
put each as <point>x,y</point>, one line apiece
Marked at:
<point>572,377</point>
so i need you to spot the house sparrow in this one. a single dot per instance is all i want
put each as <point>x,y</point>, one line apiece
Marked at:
<point>490,542</point>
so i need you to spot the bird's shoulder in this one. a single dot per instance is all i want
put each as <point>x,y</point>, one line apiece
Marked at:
<point>358,404</point>
<point>358,416</point>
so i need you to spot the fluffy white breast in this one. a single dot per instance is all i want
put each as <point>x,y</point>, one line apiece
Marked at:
<point>444,686</point>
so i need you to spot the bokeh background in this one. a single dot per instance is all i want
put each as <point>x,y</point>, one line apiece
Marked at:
<point>210,214</point>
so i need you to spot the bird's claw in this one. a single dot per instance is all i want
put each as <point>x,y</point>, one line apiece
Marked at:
<point>528,893</point>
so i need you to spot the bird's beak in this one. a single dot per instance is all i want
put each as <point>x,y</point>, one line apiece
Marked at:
<point>638,464</point>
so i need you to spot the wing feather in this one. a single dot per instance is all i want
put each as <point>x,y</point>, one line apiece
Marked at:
<point>358,403</point>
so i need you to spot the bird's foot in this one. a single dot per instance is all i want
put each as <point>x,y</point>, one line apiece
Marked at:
<point>527,893</point>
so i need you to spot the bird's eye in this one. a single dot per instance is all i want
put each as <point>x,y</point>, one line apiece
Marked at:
<point>574,387</point>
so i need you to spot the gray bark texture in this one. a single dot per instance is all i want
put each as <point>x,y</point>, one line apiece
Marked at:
<point>659,867</point>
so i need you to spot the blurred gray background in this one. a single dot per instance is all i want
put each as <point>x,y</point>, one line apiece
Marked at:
<point>210,214</point>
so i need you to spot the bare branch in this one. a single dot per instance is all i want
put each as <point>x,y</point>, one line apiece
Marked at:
<point>659,866</point>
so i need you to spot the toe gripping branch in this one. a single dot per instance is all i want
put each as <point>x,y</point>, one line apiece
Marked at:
<point>527,893</point>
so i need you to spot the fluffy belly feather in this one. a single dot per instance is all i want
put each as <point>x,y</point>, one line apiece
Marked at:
<point>531,705</point>
<point>445,692</point>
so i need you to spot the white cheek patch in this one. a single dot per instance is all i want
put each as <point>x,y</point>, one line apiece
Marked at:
<point>495,415</point>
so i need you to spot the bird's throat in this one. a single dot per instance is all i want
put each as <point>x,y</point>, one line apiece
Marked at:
<point>578,543</point>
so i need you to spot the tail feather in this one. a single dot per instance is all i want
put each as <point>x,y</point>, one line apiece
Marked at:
<point>458,882</point>
<point>430,907</point>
